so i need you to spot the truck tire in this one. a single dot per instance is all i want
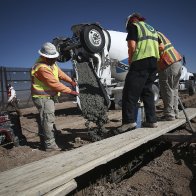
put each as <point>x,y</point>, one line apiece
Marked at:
<point>61,44</point>
<point>92,38</point>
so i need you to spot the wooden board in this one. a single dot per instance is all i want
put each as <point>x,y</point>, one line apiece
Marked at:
<point>43,176</point>
<point>63,189</point>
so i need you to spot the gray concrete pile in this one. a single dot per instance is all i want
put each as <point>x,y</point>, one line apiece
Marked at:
<point>93,100</point>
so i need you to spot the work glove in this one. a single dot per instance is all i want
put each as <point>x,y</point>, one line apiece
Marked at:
<point>73,83</point>
<point>74,93</point>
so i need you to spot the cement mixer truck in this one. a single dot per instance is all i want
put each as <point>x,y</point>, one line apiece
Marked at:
<point>105,51</point>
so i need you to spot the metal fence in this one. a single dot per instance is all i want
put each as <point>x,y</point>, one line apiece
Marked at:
<point>20,79</point>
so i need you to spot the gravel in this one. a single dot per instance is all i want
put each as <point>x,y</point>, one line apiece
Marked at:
<point>92,97</point>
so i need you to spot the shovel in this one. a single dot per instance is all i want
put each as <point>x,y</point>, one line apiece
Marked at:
<point>187,119</point>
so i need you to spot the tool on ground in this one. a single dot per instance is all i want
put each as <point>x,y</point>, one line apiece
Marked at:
<point>187,119</point>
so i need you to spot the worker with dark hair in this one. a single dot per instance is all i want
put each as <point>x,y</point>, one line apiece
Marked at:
<point>46,87</point>
<point>170,69</point>
<point>143,53</point>
<point>12,100</point>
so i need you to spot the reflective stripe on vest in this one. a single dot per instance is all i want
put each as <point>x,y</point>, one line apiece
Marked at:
<point>169,54</point>
<point>147,45</point>
<point>38,88</point>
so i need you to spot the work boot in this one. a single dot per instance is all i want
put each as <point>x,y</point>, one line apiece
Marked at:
<point>126,127</point>
<point>167,118</point>
<point>52,147</point>
<point>150,125</point>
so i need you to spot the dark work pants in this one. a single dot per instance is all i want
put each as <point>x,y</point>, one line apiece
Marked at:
<point>138,84</point>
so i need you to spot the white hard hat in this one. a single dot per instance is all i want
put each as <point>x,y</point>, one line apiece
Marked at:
<point>48,50</point>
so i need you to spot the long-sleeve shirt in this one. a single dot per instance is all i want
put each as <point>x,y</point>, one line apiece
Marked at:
<point>48,78</point>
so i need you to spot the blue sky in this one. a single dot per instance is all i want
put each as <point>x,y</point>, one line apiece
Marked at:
<point>27,24</point>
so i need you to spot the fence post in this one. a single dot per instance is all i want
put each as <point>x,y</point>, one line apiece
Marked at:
<point>2,89</point>
<point>6,83</point>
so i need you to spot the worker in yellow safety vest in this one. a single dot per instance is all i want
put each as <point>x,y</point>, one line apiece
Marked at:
<point>170,69</point>
<point>45,88</point>
<point>143,53</point>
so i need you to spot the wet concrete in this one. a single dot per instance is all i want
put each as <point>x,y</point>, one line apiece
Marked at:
<point>92,97</point>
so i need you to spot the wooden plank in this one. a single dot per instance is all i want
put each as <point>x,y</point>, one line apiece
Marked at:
<point>64,189</point>
<point>42,176</point>
<point>179,137</point>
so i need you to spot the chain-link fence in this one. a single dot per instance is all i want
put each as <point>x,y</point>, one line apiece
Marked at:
<point>20,79</point>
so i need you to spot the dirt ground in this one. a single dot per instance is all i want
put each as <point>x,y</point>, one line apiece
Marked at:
<point>173,173</point>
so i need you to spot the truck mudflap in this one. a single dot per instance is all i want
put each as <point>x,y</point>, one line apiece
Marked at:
<point>93,99</point>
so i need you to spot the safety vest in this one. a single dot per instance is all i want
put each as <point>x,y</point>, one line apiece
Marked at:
<point>38,88</point>
<point>147,45</point>
<point>169,54</point>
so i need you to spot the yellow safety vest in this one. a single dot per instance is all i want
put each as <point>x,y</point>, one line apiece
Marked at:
<point>147,45</point>
<point>38,88</point>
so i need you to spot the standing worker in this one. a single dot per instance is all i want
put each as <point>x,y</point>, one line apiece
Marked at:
<point>12,100</point>
<point>170,69</point>
<point>46,87</point>
<point>143,52</point>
